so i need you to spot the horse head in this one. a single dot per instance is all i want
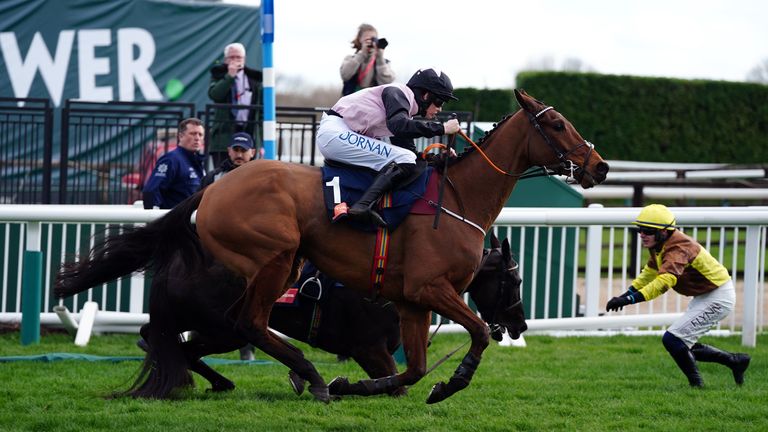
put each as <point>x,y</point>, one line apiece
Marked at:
<point>560,147</point>
<point>496,291</point>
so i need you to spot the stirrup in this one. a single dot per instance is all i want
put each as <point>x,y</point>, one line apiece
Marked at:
<point>370,216</point>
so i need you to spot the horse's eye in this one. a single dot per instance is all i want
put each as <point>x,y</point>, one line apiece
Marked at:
<point>559,126</point>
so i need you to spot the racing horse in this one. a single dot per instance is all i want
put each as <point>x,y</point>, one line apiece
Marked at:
<point>264,218</point>
<point>265,238</point>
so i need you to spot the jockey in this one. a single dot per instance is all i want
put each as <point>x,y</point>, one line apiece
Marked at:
<point>679,262</point>
<point>351,132</point>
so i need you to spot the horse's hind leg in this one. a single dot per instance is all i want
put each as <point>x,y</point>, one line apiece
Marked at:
<point>200,346</point>
<point>262,292</point>
<point>414,322</point>
<point>377,362</point>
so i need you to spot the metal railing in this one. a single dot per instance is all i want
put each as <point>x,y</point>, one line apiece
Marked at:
<point>600,257</point>
<point>26,152</point>
<point>102,152</point>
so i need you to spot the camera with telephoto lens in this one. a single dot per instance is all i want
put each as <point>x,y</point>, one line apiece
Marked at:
<point>379,43</point>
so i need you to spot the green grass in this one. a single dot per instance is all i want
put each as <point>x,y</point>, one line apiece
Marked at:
<point>554,384</point>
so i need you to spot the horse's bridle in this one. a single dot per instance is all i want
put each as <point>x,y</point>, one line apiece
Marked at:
<point>504,291</point>
<point>566,165</point>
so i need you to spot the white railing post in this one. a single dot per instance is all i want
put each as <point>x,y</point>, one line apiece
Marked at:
<point>592,270</point>
<point>136,302</point>
<point>751,266</point>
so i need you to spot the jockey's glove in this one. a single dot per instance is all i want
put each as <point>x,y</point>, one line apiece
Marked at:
<point>632,296</point>
<point>437,161</point>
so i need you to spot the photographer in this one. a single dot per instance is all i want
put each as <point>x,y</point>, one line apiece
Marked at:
<point>367,67</point>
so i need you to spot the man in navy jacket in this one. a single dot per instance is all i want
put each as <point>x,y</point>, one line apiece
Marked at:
<point>178,173</point>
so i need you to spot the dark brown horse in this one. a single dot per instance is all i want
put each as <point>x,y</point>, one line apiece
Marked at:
<point>203,297</point>
<point>350,325</point>
<point>262,219</point>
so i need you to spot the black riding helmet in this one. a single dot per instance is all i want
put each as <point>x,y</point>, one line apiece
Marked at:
<point>435,82</point>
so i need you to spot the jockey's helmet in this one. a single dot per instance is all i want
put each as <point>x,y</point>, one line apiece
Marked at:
<point>433,81</point>
<point>656,216</point>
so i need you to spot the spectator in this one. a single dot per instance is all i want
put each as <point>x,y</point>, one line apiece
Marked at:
<point>233,83</point>
<point>679,262</point>
<point>178,173</point>
<point>367,67</point>
<point>240,151</point>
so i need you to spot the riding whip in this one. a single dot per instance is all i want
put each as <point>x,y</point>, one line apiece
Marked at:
<point>441,189</point>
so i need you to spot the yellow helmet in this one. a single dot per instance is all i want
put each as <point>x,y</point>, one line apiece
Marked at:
<point>656,216</point>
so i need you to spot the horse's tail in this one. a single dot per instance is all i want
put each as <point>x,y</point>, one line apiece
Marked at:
<point>133,250</point>
<point>165,366</point>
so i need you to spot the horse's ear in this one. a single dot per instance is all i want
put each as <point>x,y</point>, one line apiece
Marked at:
<point>495,241</point>
<point>506,250</point>
<point>524,100</point>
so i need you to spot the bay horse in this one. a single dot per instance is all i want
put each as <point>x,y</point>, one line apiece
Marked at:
<point>262,219</point>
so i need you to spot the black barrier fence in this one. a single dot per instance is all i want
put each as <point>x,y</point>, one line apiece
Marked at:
<point>110,148</point>
<point>104,151</point>
<point>26,160</point>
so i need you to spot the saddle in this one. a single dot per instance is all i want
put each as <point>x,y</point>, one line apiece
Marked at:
<point>343,183</point>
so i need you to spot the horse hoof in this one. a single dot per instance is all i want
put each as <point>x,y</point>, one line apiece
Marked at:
<point>320,393</point>
<point>399,392</point>
<point>438,393</point>
<point>338,386</point>
<point>222,387</point>
<point>296,382</point>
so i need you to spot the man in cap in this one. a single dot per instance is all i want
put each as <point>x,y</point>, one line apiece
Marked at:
<point>240,151</point>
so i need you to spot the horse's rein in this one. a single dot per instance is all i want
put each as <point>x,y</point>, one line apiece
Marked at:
<point>482,153</point>
<point>567,164</point>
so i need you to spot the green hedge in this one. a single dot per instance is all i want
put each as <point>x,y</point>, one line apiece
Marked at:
<point>639,118</point>
<point>486,104</point>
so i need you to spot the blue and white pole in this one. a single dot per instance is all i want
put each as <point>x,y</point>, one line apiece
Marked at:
<point>267,38</point>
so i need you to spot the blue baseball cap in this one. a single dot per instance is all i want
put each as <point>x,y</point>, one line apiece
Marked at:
<point>241,139</point>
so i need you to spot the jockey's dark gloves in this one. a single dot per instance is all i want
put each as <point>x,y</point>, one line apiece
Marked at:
<point>437,161</point>
<point>631,290</point>
<point>618,303</point>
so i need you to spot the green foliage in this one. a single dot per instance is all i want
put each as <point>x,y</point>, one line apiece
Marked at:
<point>579,384</point>
<point>660,119</point>
<point>486,104</point>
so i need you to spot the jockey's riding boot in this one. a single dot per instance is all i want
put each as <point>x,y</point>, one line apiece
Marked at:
<point>684,358</point>
<point>387,179</point>
<point>737,362</point>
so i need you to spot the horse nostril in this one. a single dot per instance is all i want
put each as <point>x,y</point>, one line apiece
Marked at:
<point>601,170</point>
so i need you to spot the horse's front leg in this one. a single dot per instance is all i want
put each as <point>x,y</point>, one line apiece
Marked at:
<point>414,328</point>
<point>453,307</point>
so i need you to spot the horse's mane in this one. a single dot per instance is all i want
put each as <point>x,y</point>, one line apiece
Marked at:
<point>469,149</point>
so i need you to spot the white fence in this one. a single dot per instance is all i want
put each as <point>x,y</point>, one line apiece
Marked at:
<point>572,261</point>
